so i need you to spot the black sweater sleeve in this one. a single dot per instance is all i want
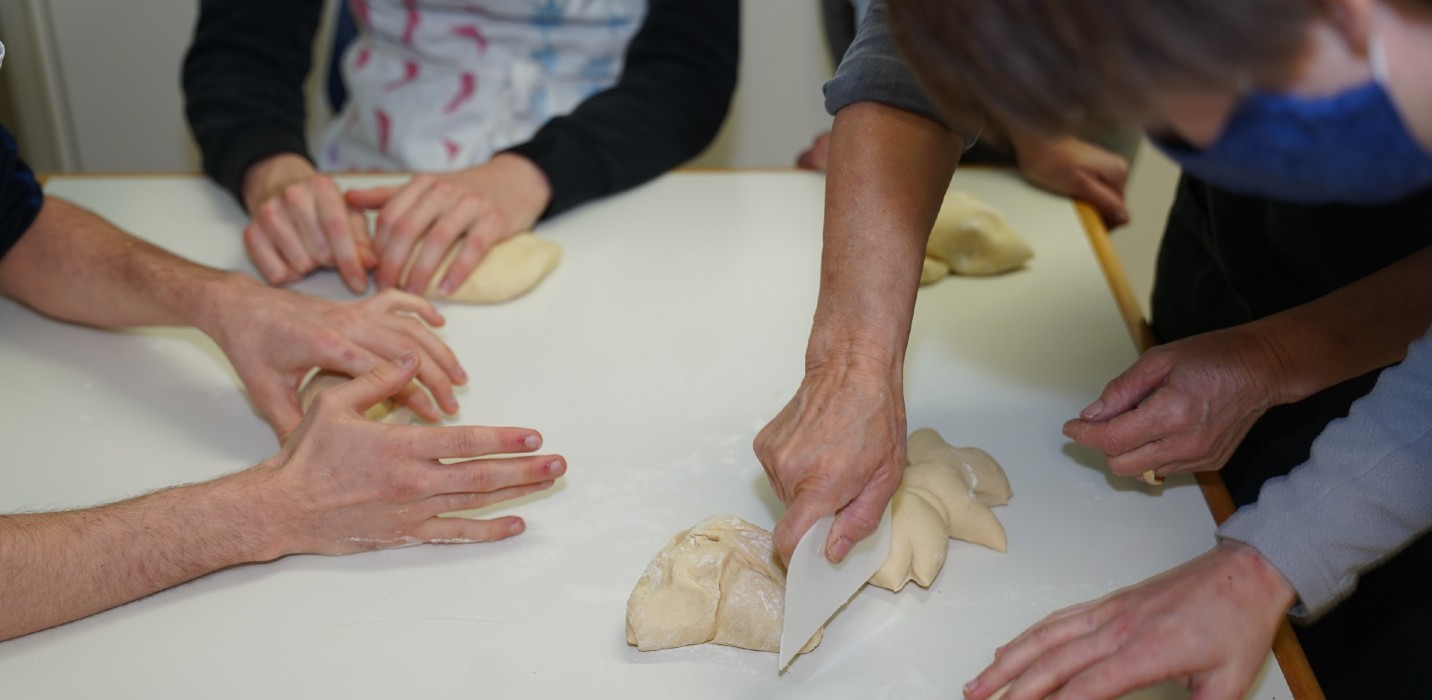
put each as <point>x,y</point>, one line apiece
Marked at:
<point>671,99</point>
<point>20,195</point>
<point>243,82</point>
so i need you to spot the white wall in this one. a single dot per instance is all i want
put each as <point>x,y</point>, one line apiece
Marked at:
<point>100,92</point>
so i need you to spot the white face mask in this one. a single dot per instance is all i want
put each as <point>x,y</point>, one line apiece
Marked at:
<point>2,53</point>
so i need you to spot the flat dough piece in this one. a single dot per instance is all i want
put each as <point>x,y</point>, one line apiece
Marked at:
<point>973,238</point>
<point>509,270</point>
<point>719,582</point>
<point>945,492</point>
<point>386,412</point>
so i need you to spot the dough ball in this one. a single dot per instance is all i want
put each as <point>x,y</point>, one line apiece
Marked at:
<point>933,271</point>
<point>981,472</point>
<point>719,582</point>
<point>940,497</point>
<point>386,412</point>
<point>509,270</point>
<point>972,238</point>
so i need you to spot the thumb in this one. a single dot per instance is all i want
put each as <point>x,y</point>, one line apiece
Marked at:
<point>371,198</point>
<point>800,515</point>
<point>377,385</point>
<point>858,520</point>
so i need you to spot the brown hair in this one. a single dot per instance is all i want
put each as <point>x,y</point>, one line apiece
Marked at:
<point>1065,66</point>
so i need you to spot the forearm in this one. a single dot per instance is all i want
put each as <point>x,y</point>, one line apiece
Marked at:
<point>58,567</point>
<point>1351,331</point>
<point>74,266</point>
<point>889,170</point>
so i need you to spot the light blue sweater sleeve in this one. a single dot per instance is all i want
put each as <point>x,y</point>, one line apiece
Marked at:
<point>1364,494</point>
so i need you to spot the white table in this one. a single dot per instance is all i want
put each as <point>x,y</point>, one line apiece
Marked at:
<point>673,330</point>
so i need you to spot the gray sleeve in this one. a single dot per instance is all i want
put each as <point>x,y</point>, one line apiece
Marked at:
<point>872,71</point>
<point>1364,494</point>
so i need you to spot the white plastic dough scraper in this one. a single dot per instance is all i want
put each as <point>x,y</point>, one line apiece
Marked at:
<point>816,589</point>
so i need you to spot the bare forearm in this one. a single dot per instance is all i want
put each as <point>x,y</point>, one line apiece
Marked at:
<point>74,266</point>
<point>888,173</point>
<point>1356,329</point>
<point>58,567</point>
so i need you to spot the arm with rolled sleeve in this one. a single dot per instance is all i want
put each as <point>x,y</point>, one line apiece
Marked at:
<point>1364,494</point>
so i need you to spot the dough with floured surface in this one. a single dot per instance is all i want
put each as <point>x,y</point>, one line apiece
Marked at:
<point>946,492</point>
<point>719,582</point>
<point>508,270</point>
<point>973,238</point>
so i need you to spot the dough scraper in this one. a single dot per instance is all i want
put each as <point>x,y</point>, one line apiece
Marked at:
<point>816,589</point>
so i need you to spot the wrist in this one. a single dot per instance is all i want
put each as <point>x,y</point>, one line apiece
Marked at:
<point>531,190</point>
<point>243,509</point>
<point>218,301</point>
<point>1264,579</point>
<point>270,175</point>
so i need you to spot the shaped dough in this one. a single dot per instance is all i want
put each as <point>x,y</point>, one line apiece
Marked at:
<point>509,270</point>
<point>972,238</point>
<point>719,582</point>
<point>933,271</point>
<point>945,492</point>
<point>386,412</point>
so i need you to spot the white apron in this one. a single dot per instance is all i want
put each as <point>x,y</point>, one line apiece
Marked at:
<point>439,85</point>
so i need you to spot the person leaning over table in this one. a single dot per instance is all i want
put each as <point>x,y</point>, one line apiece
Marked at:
<point>339,484</point>
<point>1192,624</point>
<point>514,110</point>
<point>1093,169</point>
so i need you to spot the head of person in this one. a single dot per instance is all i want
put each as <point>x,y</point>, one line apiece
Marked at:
<point>1303,100</point>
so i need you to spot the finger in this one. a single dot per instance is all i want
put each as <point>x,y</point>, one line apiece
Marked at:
<point>801,513</point>
<point>456,442</point>
<point>1122,435</point>
<point>274,221</point>
<point>1132,386</point>
<point>455,502</point>
<point>493,474</point>
<point>1121,671</point>
<point>1114,171</point>
<point>463,530</point>
<point>1049,671</point>
<point>413,397</point>
<point>266,258</point>
<point>481,236</point>
<point>279,404</point>
<point>1106,199</point>
<point>334,217</point>
<point>302,210</point>
<point>858,520</point>
<point>441,237</point>
<point>362,239</point>
<point>370,388</point>
<point>370,198</point>
<point>400,334</point>
<point>403,223</point>
<point>399,301</point>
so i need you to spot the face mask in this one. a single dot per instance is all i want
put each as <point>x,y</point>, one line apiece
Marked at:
<point>1351,147</point>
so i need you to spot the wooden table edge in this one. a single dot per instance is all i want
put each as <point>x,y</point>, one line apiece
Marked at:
<point>1286,648</point>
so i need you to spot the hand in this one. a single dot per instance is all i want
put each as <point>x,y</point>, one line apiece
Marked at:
<point>1207,624</point>
<point>837,447</point>
<point>1077,169</point>
<point>1184,406</point>
<point>274,337</point>
<point>817,156</point>
<point>301,223</point>
<point>470,210</point>
<point>342,484</point>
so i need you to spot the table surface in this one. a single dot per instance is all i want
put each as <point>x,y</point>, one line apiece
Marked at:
<point>673,329</point>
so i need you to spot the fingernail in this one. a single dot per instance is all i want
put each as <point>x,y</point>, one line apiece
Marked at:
<point>1093,410</point>
<point>407,361</point>
<point>531,442</point>
<point>460,375</point>
<point>972,686</point>
<point>447,288</point>
<point>517,527</point>
<point>556,468</point>
<point>841,548</point>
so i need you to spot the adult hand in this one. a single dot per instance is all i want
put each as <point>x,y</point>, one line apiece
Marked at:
<point>817,156</point>
<point>274,337</point>
<point>1207,625</point>
<point>1077,169</point>
<point>469,210</point>
<point>301,223</point>
<point>837,447</point>
<point>342,484</point>
<point>1183,406</point>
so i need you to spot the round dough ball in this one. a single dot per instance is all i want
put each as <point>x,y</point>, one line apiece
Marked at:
<point>509,270</point>
<point>974,239</point>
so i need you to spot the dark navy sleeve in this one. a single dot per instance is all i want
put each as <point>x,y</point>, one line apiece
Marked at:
<point>20,194</point>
